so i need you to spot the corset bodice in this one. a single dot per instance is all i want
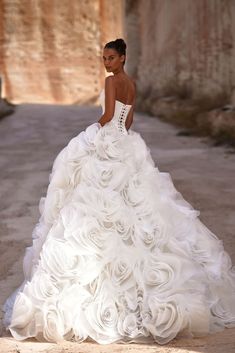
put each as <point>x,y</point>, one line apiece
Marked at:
<point>120,113</point>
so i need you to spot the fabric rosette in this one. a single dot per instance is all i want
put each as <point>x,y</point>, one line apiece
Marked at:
<point>56,322</point>
<point>71,216</point>
<point>102,316</point>
<point>79,149</point>
<point>73,302</point>
<point>165,274</point>
<point>87,137</point>
<point>130,301</point>
<point>221,308</point>
<point>78,215</point>
<point>61,260</point>
<point>129,325</point>
<point>105,173</point>
<point>52,203</point>
<point>125,224</point>
<point>22,320</point>
<point>42,287</point>
<point>165,318</point>
<point>75,171</point>
<point>60,176</point>
<point>151,232</point>
<point>134,193</point>
<point>120,270</point>
<point>138,150</point>
<point>69,162</point>
<point>88,236</point>
<point>100,203</point>
<point>109,144</point>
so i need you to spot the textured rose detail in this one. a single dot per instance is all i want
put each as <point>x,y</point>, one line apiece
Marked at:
<point>54,323</point>
<point>87,137</point>
<point>128,325</point>
<point>132,312</point>
<point>101,203</point>
<point>167,318</point>
<point>70,161</point>
<point>222,309</point>
<point>71,216</point>
<point>125,230</point>
<point>125,225</point>
<point>74,151</point>
<point>151,232</point>
<point>164,273</point>
<point>74,170</point>
<point>133,193</point>
<point>158,275</point>
<point>22,320</point>
<point>108,143</point>
<point>120,271</point>
<point>90,237</point>
<point>102,316</point>
<point>61,260</point>
<point>53,202</point>
<point>41,287</point>
<point>147,235</point>
<point>104,174</point>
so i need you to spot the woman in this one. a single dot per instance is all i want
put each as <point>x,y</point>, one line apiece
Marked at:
<point>118,255</point>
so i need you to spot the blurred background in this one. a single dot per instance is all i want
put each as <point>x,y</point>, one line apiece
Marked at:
<point>51,49</point>
<point>181,54</point>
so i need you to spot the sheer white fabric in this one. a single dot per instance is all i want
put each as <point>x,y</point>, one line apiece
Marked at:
<point>118,255</point>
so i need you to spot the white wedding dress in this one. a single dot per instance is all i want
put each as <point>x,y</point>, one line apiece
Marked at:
<point>118,254</point>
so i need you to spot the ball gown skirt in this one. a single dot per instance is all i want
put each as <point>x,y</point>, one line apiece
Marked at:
<point>118,255</point>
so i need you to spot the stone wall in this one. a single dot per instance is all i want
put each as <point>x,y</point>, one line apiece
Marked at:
<point>185,41</point>
<point>182,54</point>
<point>50,50</point>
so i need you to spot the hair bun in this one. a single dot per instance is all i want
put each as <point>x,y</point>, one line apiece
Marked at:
<point>120,42</point>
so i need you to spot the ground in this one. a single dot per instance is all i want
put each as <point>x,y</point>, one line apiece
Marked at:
<point>30,140</point>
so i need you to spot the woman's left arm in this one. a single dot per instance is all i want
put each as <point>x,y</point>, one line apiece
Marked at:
<point>109,101</point>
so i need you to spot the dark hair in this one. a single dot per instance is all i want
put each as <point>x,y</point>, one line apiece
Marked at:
<point>119,45</point>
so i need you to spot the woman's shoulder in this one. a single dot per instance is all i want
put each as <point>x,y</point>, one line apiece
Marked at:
<point>115,80</point>
<point>126,83</point>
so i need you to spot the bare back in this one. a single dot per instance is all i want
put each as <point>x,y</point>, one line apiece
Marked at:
<point>125,90</point>
<point>121,88</point>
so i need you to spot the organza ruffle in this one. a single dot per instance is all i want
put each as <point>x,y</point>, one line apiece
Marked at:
<point>118,255</point>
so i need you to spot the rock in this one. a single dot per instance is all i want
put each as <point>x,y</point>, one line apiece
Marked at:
<point>179,111</point>
<point>6,108</point>
<point>220,124</point>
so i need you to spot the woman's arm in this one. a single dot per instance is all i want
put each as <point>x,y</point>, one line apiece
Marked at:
<point>129,119</point>
<point>109,90</point>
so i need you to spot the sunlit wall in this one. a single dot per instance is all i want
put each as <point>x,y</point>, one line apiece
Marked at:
<point>50,50</point>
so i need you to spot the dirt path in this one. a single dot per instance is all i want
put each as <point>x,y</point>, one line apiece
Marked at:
<point>29,141</point>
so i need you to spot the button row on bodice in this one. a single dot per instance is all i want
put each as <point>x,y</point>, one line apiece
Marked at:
<point>122,119</point>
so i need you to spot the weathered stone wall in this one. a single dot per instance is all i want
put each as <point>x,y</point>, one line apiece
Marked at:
<point>185,41</point>
<point>50,50</point>
<point>183,59</point>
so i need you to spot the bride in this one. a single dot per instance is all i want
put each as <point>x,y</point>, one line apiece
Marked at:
<point>118,255</point>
